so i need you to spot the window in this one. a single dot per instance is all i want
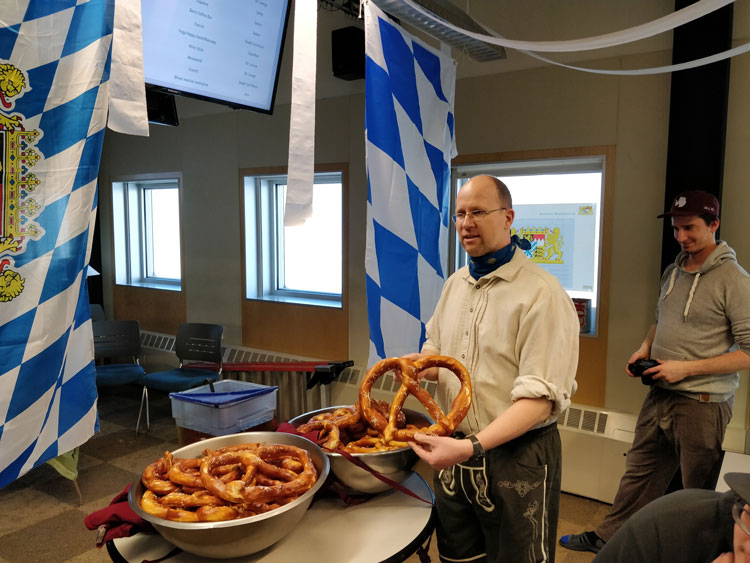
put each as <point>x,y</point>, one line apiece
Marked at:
<point>146,220</point>
<point>558,204</point>
<point>299,264</point>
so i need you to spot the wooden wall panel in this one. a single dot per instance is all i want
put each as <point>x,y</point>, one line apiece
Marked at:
<point>155,309</point>
<point>317,332</point>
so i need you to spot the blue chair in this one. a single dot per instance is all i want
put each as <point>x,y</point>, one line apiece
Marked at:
<point>196,342</point>
<point>117,350</point>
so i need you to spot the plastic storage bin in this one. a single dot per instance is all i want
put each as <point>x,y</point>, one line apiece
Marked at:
<point>232,407</point>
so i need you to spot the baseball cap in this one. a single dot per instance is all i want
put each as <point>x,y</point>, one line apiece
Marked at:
<point>694,202</point>
<point>740,484</point>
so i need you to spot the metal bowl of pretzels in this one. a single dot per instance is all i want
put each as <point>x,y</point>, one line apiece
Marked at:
<point>258,486</point>
<point>396,463</point>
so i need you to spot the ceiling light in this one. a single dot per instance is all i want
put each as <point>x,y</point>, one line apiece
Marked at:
<point>445,10</point>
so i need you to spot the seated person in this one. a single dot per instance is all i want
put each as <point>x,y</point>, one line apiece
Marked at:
<point>691,525</point>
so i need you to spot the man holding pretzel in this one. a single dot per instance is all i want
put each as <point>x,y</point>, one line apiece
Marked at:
<point>514,328</point>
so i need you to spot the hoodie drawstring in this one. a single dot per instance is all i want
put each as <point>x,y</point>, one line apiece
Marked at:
<point>671,283</point>
<point>670,287</point>
<point>690,297</point>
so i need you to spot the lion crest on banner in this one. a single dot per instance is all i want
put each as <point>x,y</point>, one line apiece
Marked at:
<point>18,155</point>
<point>546,244</point>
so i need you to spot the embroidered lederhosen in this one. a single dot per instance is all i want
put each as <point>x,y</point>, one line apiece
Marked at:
<point>502,506</point>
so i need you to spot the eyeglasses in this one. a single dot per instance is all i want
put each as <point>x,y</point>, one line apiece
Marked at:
<point>476,215</point>
<point>738,509</point>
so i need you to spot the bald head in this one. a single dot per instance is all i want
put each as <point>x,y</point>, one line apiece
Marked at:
<point>503,193</point>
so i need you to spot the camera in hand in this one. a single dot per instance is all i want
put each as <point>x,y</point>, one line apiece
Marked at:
<point>639,366</point>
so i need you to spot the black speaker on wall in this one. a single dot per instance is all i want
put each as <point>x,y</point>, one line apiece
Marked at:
<point>348,53</point>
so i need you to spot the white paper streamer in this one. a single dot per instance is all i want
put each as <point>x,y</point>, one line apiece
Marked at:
<point>660,25</point>
<point>301,171</point>
<point>653,70</point>
<point>127,90</point>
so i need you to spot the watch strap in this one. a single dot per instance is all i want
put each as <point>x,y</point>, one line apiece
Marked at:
<point>478,449</point>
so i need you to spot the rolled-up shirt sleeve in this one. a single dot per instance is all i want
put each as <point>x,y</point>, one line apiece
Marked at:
<point>547,348</point>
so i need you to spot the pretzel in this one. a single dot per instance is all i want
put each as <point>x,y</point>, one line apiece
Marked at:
<point>184,500</point>
<point>180,473</point>
<point>331,423</point>
<point>151,504</point>
<point>371,444</point>
<point>156,476</point>
<point>342,416</point>
<point>216,513</point>
<point>444,424</point>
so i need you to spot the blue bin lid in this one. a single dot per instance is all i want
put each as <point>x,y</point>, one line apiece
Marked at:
<point>222,399</point>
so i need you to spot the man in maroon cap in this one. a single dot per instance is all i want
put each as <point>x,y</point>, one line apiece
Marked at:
<point>700,339</point>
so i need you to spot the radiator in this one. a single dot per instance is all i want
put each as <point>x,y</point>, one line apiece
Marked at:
<point>594,443</point>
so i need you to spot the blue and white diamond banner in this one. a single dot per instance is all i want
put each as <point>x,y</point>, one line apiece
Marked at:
<point>409,95</point>
<point>55,59</point>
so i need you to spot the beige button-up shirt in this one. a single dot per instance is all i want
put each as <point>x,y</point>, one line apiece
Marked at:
<point>515,330</point>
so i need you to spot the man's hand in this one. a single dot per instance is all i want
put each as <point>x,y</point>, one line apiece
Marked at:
<point>670,371</point>
<point>441,452</point>
<point>641,354</point>
<point>644,350</point>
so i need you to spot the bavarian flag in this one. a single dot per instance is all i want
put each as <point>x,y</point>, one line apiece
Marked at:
<point>55,96</point>
<point>409,94</point>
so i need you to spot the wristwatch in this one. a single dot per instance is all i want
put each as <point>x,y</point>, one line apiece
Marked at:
<point>478,449</point>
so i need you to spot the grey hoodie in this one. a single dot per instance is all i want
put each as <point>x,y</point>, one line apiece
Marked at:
<point>703,314</point>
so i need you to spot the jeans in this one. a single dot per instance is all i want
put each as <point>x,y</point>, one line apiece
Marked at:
<point>673,432</point>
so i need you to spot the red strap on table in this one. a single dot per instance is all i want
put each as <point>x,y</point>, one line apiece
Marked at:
<point>383,478</point>
<point>308,367</point>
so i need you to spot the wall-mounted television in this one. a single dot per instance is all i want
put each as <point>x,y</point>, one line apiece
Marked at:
<point>225,51</point>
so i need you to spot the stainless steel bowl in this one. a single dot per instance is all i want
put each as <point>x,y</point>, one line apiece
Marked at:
<point>243,536</point>
<point>395,464</point>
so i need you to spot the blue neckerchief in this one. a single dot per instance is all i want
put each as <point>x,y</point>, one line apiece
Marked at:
<point>483,265</point>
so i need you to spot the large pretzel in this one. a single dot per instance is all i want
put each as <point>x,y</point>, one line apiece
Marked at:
<point>444,424</point>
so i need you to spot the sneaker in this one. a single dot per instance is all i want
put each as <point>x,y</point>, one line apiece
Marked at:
<point>587,541</point>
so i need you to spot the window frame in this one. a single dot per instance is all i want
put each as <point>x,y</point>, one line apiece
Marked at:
<point>262,225</point>
<point>132,233</point>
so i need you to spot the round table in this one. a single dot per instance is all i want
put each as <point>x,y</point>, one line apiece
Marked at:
<point>390,527</point>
